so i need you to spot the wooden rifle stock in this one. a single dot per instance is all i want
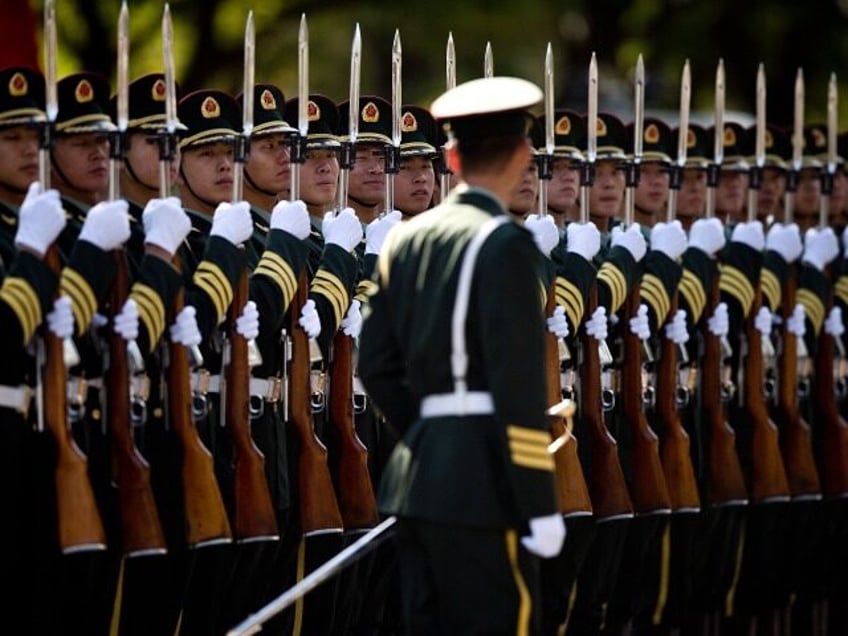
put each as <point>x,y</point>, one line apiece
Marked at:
<point>354,489</point>
<point>206,519</point>
<point>796,440</point>
<point>79,524</point>
<point>675,453</point>
<point>768,475</point>
<point>725,482</point>
<point>607,487</point>
<point>649,491</point>
<point>572,491</point>
<point>319,509</point>
<point>255,519</point>
<point>141,531</point>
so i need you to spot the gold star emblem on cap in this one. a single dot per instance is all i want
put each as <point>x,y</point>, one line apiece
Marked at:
<point>18,85</point>
<point>313,112</point>
<point>157,91</point>
<point>729,136</point>
<point>370,113</point>
<point>266,99</point>
<point>408,122</point>
<point>652,134</point>
<point>83,92</point>
<point>210,108</point>
<point>563,125</point>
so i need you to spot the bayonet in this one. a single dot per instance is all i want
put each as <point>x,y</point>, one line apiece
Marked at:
<point>450,82</point>
<point>587,176</point>
<point>393,153</point>
<point>830,166</point>
<point>298,153</point>
<point>682,138</point>
<point>797,147</point>
<point>167,138</point>
<point>545,160</point>
<point>755,172</point>
<point>122,101</point>
<point>242,140</point>
<point>349,146</point>
<point>714,169</point>
<point>488,61</point>
<point>51,99</point>
<point>638,133</point>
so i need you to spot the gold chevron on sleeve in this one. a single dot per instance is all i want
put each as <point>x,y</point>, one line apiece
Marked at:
<point>653,292</point>
<point>151,311</point>
<point>330,287</point>
<point>840,289</point>
<point>813,307</point>
<point>211,279</point>
<point>364,289</point>
<point>83,302</point>
<point>528,447</point>
<point>22,299</point>
<point>276,268</point>
<point>568,296</point>
<point>692,290</point>
<point>614,279</point>
<point>771,288</point>
<point>732,281</point>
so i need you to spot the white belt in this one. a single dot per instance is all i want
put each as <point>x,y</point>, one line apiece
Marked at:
<point>446,404</point>
<point>269,389</point>
<point>16,397</point>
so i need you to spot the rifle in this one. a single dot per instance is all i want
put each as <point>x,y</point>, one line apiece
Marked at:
<point>141,531</point>
<point>353,486</point>
<point>319,509</point>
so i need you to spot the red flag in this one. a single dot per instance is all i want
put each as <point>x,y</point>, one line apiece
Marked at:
<point>17,34</point>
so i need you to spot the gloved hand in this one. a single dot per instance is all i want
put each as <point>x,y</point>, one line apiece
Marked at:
<point>785,239</point>
<point>232,221</point>
<point>763,321</point>
<point>545,232</point>
<point>596,326</point>
<point>820,247</point>
<point>707,235</point>
<point>342,229</point>
<point>547,535</point>
<point>185,330</point>
<point>630,239</point>
<point>557,324</point>
<point>247,325</point>
<point>795,323</point>
<point>676,329</point>
<point>291,217</point>
<point>583,239</point>
<point>639,323</point>
<point>40,220</point>
<point>719,322</point>
<point>60,320</point>
<point>309,319</point>
<point>669,238</point>
<point>165,223</point>
<point>833,325</point>
<point>376,231</point>
<point>750,233</point>
<point>107,225</point>
<point>352,322</point>
<point>125,322</point>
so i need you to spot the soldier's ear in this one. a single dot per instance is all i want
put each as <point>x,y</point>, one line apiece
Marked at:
<point>452,157</point>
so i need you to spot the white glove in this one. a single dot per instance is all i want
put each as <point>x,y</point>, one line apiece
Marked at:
<point>557,324</point>
<point>547,535</point>
<point>107,225</point>
<point>40,220</point>
<point>352,322</point>
<point>125,322</point>
<point>545,232</point>
<point>376,231</point>
<point>596,326</point>
<point>751,234</point>
<point>291,217</point>
<point>676,329</point>
<point>763,321</point>
<point>820,247</point>
<point>166,224</point>
<point>60,320</point>
<point>669,238</point>
<point>309,319</point>
<point>795,323</point>
<point>630,239</point>
<point>185,331</point>
<point>833,325</point>
<point>342,229</point>
<point>719,322</point>
<point>639,323</point>
<point>785,240</point>
<point>98,320</point>
<point>707,235</point>
<point>247,325</point>
<point>232,221</point>
<point>583,239</point>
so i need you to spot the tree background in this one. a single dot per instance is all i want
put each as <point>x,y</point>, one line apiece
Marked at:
<point>784,35</point>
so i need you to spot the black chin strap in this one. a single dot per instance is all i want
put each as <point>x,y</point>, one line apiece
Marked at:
<point>211,204</point>
<point>253,185</point>
<point>135,177</point>
<point>61,174</point>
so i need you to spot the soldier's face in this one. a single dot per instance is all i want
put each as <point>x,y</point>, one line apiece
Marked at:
<point>208,169</point>
<point>564,185</point>
<point>368,176</point>
<point>770,195</point>
<point>319,177</point>
<point>414,185</point>
<point>839,196</point>
<point>143,157</point>
<point>808,194</point>
<point>692,198</point>
<point>731,192</point>
<point>268,165</point>
<point>18,157</point>
<point>606,195</point>
<point>523,198</point>
<point>84,162</point>
<point>651,194</point>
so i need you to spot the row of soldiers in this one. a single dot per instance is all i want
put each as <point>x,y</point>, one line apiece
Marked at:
<point>764,555</point>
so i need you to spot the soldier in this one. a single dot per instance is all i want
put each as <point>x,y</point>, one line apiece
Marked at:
<point>416,179</point>
<point>692,198</point>
<point>733,181</point>
<point>443,538</point>
<point>523,199</point>
<point>773,182</point>
<point>651,194</point>
<point>564,184</point>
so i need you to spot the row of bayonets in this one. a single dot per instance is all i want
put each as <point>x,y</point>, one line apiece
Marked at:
<point>167,144</point>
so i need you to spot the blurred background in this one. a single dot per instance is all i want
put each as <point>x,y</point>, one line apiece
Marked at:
<point>784,35</point>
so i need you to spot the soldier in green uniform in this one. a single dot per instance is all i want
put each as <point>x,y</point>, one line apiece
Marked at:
<point>415,181</point>
<point>651,194</point>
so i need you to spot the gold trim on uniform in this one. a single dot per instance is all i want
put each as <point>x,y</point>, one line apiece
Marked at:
<point>693,291</point>
<point>328,285</point>
<point>211,280</point>
<point>771,288</point>
<point>840,289</point>
<point>364,289</point>
<point>528,447</point>
<point>151,310</point>
<point>813,306</point>
<point>734,282</point>
<point>522,628</point>
<point>569,298</point>
<point>617,283</point>
<point>653,292</point>
<point>83,302</point>
<point>279,271</point>
<point>22,299</point>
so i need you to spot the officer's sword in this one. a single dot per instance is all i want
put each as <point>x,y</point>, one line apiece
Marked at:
<point>393,152</point>
<point>348,154</point>
<point>450,83</point>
